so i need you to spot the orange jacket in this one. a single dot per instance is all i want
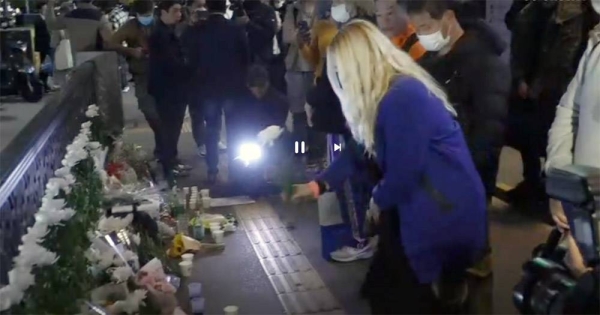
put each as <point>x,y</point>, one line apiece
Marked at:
<point>415,50</point>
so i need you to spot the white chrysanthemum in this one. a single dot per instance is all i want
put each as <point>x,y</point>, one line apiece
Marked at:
<point>114,224</point>
<point>106,259</point>
<point>32,254</point>
<point>21,278</point>
<point>94,145</point>
<point>91,113</point>
<point>35,233</point>
<point>81,154</point>
<point>94,107</point>
<point>70,179</point>
<point>50,204</point>
<point>62,172</point>
<point>70,160</point>
<point>52,189</point>
<point>86,125</point>
<point>129,255</point>
<point>54,217</point>
<point>135,238</point>
<point>61,183</point>
<point>91,255</point>
<point>122,274</point>
<point>81,140</point>
<point>9,296</point>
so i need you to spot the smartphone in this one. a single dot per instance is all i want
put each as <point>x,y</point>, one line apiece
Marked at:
<point>303,27</point>
<point>304,30</point>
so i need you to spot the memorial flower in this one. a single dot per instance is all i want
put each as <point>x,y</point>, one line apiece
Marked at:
<point>33,254</point>
<point>52,212</point>
<point>122,274</point>
<point>92,111</point>
<point>54,217</point>
<point>114,224</point>
<point>35,233</point>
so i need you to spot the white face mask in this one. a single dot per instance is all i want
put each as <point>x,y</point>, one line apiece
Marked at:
<point>339,13</point>
<point>596,5</point>
<point>434,42</point>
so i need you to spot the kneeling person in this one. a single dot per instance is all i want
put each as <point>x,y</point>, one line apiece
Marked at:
<point>265,113</point>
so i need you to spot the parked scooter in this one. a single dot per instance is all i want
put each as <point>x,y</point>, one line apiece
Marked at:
<point>17,73</point>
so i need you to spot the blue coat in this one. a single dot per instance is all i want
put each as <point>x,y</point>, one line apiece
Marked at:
<point>418,144</point>
<point>429,176</point>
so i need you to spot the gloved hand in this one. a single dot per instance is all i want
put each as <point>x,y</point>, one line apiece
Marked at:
<point>373,212</point>
<point>268,135</point>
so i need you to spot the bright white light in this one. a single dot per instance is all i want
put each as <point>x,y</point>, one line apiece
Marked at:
<point>249,152</point>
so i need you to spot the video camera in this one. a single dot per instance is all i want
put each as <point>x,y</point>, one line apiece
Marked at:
<point>547,285</point>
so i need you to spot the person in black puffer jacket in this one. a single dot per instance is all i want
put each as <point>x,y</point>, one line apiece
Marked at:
<point>469,67</point>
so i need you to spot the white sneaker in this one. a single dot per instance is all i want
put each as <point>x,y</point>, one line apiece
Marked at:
<point>53,86</point>
<point>348,254</point>
<point>222,146</point>
<point>202,150</point>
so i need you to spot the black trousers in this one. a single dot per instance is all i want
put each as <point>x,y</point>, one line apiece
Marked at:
<point>147,105</point>
<point>527,134</point>
<point>391,285</point>
<point>172,113</point>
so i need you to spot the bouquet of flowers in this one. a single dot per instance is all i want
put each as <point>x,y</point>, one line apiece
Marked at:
<point>132,156</point>
<point>161,292</point>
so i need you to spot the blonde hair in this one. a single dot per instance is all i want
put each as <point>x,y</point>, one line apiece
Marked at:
<point>362,63</point>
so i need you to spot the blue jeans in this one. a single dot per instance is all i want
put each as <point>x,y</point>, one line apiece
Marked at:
<point>354,199</point>
<point>212,110</point>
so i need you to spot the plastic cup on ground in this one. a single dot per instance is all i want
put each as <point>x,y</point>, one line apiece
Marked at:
<point>197,305</point>
<point>187,257</point>
<point>215,227</point>
<point>218,236</point>
<point>186,268</point>
<point>205,203</point>
<point>205,193</point>
<point>231,310</point>
<point>195,290</point>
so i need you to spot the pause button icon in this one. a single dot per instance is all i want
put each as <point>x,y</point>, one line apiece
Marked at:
<point>300,147</point>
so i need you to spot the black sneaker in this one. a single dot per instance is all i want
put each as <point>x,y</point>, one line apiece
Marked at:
<point>526,190</point>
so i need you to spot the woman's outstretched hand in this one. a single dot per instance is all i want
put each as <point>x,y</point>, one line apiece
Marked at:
<point>300,192</point>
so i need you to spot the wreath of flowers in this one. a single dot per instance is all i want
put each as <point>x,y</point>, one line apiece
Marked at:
<point>53,212</point>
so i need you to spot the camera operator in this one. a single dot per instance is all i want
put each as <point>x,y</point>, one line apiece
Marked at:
<point>574,135</point>
<point>260,22</point>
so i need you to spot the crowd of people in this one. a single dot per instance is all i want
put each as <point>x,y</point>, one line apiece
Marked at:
<point>416,92</point>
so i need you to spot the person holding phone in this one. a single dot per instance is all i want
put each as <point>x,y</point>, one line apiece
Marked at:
<point>298,21</point>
